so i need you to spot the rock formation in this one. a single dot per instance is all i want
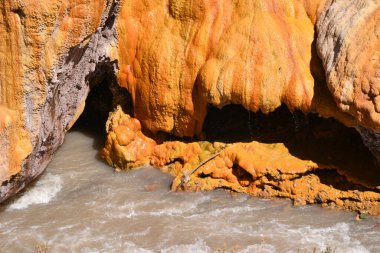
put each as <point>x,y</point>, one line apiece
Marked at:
<point>217,53</point>
<point>176,59</point>
<point>126,146</point>
<point>348,43</point>
<point>349,46</point>
<point>263,170</point>
<point>48,50</point>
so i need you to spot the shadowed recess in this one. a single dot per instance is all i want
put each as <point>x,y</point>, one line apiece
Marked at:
<point>307,136</point>
<point>105,94</point>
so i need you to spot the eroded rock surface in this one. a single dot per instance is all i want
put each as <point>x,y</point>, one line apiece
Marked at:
<point>48,50</point>
<point>175,59</point>
<point>349,46</point>
<point>215,53</point>
<point>263,170</point>
<point>126,146</point>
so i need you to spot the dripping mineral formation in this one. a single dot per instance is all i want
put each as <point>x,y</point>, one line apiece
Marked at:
<point>171,64</point>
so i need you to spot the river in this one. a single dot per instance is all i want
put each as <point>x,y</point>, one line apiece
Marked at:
<point>80,205</point>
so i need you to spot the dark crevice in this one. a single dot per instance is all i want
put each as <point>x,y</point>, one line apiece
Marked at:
<point>161,137</point>
<point>20,12</point>
<point>105,94</point>
<point>307,136</point>
<point>114,10</point>
<point>203,175</point>
<point>275,187</point>
<point>261,186</point>
<point>339,182</point>
<point>275,178</point>
<point>179,160</point>
<point>225,188</point>
<point>244,178</point>
<point>233,123</point>
<point>175,161</point>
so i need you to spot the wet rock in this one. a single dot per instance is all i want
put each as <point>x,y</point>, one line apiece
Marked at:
<point>263,170</point>
<point>126,140</point>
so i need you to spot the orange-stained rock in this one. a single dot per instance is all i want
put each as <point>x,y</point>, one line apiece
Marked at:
<point>126,146</point>
<point>175,58</point>
<point>269,170</point>
<point>37,103</point>
<point>263,170</point>
<point>253,53</point>
<point>16,146</point>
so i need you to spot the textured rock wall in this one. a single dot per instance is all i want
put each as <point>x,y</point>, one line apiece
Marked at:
<point>175,57</point>
<point>349,45</point>
<point>254,53</point>
<point>48,49</point>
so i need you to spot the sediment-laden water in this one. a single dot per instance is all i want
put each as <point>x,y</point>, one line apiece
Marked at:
<point>80,205</point>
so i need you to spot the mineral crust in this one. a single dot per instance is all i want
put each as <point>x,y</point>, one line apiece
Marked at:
<point>173,60</point>
<point>262,170</point>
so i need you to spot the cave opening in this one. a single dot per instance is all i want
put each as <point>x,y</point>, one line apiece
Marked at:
<point>307,136</point>
<point>105,94</point>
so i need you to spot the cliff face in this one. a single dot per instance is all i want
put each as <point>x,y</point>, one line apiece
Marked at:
<point>48,49</point>
<point>176,58</point>
<point>254,53</point>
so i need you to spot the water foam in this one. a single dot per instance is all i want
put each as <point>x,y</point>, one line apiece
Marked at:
<point>130,247</point>
<point>158,208</point>
<point>262,248</point>
<point>337,237</point>
<point>199,247</point>
<point>235,210</point>
<point>41,193</point>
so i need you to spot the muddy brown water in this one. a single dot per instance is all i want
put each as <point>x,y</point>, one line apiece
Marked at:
<point>80,205</point>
